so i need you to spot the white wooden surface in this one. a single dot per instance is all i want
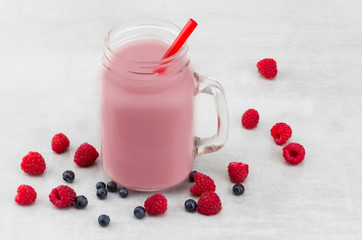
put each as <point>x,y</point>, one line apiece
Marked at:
<point>50,57</point>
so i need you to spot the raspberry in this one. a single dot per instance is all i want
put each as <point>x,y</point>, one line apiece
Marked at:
<point>250,119</point>
<point>238,171</point>
<point>209,204</point>
<point>33,163</point>
<point>62,196</point>
<point>203,183</point>
<point>281,132</point>
<point>60,143</point>
<point>156,204</point>
<point>26,195</point>
<point>267,67</point>
<point>293,153</point>
<point>85,155</point>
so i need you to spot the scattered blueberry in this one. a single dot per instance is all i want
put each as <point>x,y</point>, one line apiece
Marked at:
<point>81,202</point>
<point>102,193</point>
<point>191,176</point>
<point>190,205</point>
<point>100,185</point>
<point>139,212</point>
<point>238,189</point>
<point>68,176</point>
<point>123,192</point>
<point>112,186</point>
<point>104,220</point>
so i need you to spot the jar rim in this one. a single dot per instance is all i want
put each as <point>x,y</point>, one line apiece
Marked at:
<point>146,22</point>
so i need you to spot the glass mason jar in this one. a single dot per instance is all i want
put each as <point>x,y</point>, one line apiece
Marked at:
<point>147,107</point>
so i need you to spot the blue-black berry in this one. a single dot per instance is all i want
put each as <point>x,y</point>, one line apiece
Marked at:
<point>104,220</point>
<point>102,193</point>
<point>191,176</point>
<point>139,212</point>
<point>68,176</point>
<point>238,189</point>
<point>190,205</point>
<point>81,202</point>
<point>112,186</point>
<point>100,185</point>
<point>123,192</point>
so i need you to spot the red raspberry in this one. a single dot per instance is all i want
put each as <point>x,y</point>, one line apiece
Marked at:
<point>293,153</point>
<point>156,204</point>
<point>85,155</point>
<point>60,143</point>
<point>281,132</point>
<point>267,67</point>
<point>203,183</point>
<point>33,163</point>
<point>250,119</point>
<point>209,204</point>
<point>26,195</point>
<point>62,196</point>
<point>238,171</point>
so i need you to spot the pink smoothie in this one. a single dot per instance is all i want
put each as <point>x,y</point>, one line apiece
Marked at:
<point>146,118</point>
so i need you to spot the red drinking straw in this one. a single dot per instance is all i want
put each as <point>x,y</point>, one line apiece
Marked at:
<point>181,38</point>
<point>179,42</point>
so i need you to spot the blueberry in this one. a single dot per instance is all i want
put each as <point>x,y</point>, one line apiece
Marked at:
<point>139,212</point>
<point>123,192</point>
<point>102,193</point>
<point>191,176</point>
<point>100,185</point>
<point>104,220</point>
<point>81,202</point>
<point>112,186</point>
<point>68,176</point>
<point>238,189</point>
<point>190,205</point>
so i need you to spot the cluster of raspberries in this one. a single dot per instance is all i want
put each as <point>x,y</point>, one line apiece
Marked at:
<point>34,164</point>
<point>293,153</point>
<point>209,202</point>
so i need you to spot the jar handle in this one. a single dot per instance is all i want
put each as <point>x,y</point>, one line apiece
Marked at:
<point>217,141</point>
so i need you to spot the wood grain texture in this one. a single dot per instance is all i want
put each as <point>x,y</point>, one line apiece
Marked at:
<point>50,58</point>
